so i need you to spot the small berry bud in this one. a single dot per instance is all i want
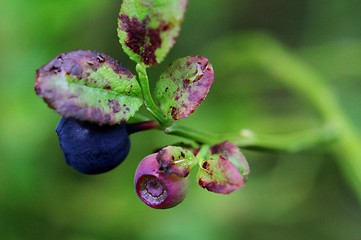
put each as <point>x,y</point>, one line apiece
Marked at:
<point>225,170</point>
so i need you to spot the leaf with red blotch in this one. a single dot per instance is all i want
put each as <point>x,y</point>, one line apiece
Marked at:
<point>89,86</point>
<point>147,29</point>
<point>183,86</point>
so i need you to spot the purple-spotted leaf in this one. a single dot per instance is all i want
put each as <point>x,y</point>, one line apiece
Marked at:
<point>231,152</point>
<point>183,86</point>
<point>147,29</point>
<point>89,86</point>
<point>176,160</point>
<point>219,175</point>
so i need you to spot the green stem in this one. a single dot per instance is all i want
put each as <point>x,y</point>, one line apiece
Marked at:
<point>202,154</point>
<point>198,136</point>
<point>148,100</point>
<point>291,142</point>
<point>247,139</point>
<point>305,81</point>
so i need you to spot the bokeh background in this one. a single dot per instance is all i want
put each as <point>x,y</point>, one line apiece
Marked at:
<point>305,195</point>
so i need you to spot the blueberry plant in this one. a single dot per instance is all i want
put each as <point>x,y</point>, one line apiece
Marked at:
<point>97,97</point>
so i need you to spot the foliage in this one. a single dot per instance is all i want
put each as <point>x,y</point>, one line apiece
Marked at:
<point>294,196</point>
<point>91,87</point>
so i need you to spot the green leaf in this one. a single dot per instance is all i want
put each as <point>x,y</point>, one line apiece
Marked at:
<point>147,29</point>
<point>89,86</point>
<point>176,160</point>
<point>183,86</point>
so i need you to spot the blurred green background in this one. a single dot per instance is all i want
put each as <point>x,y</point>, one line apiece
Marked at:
<point>288,196</point>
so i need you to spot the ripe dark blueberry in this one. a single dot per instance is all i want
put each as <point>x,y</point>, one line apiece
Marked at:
<point>156,188</point>
<point>90,148</point>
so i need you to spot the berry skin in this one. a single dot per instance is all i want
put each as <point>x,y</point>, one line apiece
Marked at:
<point>90,148</point>
<point>156,188</point>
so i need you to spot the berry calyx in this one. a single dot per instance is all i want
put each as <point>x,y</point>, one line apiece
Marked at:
<point>90,148</point>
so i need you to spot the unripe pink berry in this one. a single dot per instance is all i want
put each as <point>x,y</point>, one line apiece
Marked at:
<point>157,188</point>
